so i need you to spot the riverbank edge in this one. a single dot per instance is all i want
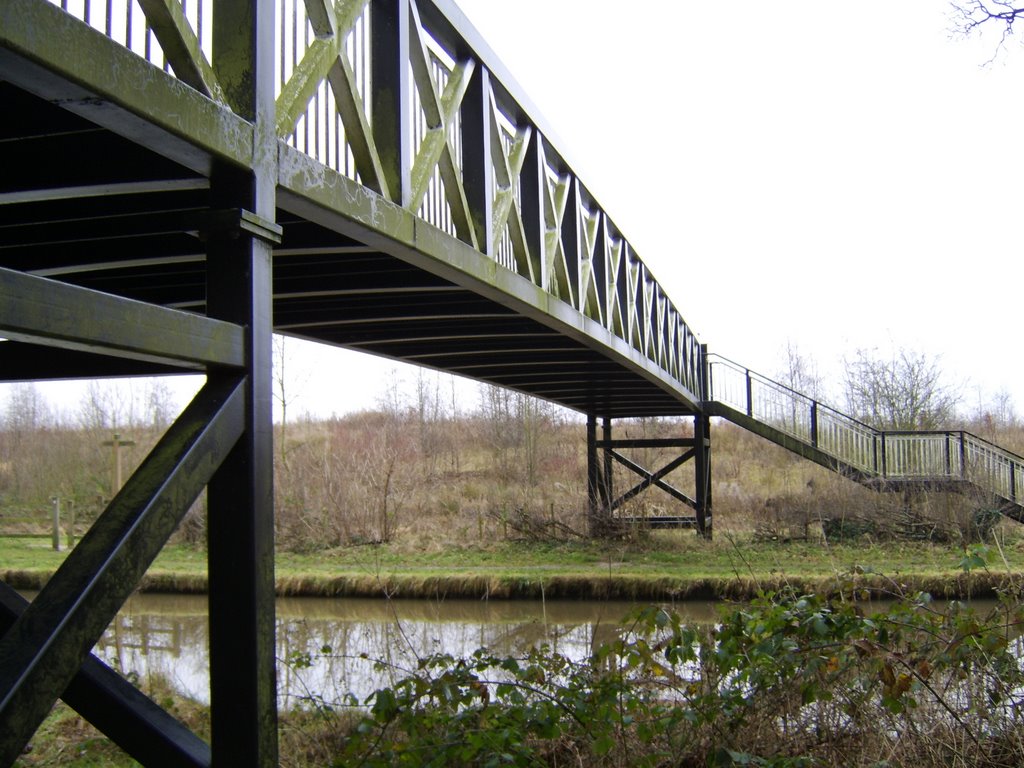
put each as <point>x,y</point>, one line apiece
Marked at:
<point>948,586</point>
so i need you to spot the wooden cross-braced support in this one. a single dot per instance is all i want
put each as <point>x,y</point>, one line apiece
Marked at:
<point>113,705</point>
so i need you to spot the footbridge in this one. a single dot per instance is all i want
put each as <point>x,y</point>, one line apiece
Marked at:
<point>182,178</point>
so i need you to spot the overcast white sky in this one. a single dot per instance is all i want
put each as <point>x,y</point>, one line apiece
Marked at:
<point>831,175</point>
<point>835,175</point>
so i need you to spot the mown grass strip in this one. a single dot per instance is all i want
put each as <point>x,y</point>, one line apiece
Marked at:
<point>686,571</point>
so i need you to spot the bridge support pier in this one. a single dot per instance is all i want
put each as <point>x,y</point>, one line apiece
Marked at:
<point>602,503</point>
<point>702,473</point>
<point>240,506</point>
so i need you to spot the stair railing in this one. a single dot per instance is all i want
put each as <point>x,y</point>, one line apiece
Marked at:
<point>925,455</point>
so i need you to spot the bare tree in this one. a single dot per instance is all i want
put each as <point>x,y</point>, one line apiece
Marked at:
<point>160,404</point>
<point>26,410</point>
<point>902,391</point>
<point>512,423</point>
<point>497,420</point>
<point>800,372</point>
<point>429,414</point>
<point>108,404</point>
<point>283,393</point>
<point>534,416</point>
<point>972,18</point>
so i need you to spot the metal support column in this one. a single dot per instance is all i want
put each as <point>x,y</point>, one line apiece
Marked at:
<point>702,473</point>
<point>243,689</point>
<point>607,487</point>
<point>702,446</point>
<point>594,511</point>
<point>240,524</point>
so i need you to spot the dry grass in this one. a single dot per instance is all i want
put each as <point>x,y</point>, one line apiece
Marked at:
<point>433,482</point>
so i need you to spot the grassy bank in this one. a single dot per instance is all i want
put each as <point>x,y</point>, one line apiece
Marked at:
<point>784,682</point>
<point>658,567</point>
<point>664,566</point>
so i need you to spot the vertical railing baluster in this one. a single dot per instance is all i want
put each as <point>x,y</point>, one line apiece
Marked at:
<point>390,94</point>
<point>963,455</point>
<point>282,59</point>
<point>814,423</point>
<point>477,165</point>
<point>314,110</point>
<point>199,23</point>
<point>128,24</point>
<point>295,58</point>
<point>750,394</point>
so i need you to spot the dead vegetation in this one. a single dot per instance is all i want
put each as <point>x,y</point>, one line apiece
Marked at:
<point>431,475</point>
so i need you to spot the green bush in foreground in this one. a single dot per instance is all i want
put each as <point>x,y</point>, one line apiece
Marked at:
<point>790,680</point>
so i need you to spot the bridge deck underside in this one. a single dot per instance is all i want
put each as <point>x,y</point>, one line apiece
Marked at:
<point>83,205</point>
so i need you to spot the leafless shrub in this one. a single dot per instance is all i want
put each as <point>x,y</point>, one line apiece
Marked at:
<point>427,473</point>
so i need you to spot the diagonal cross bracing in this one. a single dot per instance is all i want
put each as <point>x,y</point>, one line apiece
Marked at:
<point>45,647</point>
<point>653,478</point>
<point>117,708</point>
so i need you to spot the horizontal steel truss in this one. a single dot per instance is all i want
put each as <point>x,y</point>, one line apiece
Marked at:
<point>443,135</point>
<point>433,125</point>
<point>41,311</point>
<point>602,452</point>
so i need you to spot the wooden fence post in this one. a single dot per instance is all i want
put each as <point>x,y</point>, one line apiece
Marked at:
<point>56,523</point>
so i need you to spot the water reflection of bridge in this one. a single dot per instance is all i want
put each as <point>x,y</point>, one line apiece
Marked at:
<point>182,177</point>
<point>164,638</point>
<point>142,634</point>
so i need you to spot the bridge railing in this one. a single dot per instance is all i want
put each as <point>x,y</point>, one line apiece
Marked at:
<point>793,413</point>
<point>890,455</point>
<point>404,97</point>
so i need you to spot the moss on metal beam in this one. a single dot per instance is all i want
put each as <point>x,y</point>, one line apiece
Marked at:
<point>312,190</point>
<point>99,79</point>
<point>35,308</point>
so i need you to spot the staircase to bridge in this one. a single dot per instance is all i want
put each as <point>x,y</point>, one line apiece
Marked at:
<point>886,460</point>
<point>883,460</point>
<point>182,178</point>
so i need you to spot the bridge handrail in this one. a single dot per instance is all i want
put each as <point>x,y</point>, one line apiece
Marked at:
<point>793,413</point>
<point>458,144</point>
<point>884,454</point>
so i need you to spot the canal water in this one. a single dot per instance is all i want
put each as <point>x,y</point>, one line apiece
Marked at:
<point>330,647</point>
